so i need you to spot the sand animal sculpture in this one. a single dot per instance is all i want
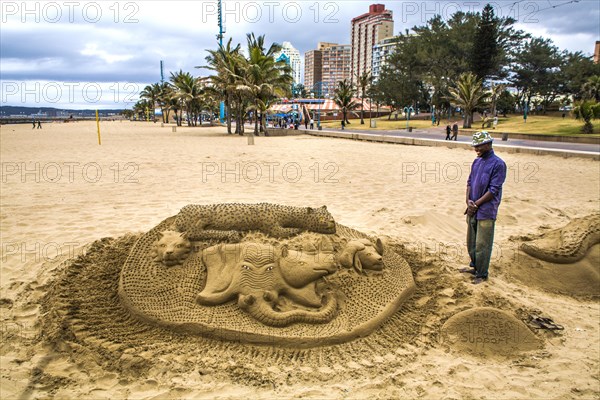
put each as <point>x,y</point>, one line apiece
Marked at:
<point>171,248</point>
<point>567,244</point>
<point>362,254</point>
<point>277,287</point>
<point>262,273</point>
<point>227,221</point>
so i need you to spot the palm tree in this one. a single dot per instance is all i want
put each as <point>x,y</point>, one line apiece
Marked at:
<point>151,93</point>
<point>264,79</point>
<point>587,110</point>
<point>189,92</point>
<point>226,62</point>
<point>364,81</point>
<point>468,95</point>
<point>343,97</point>
<point>591,88</point>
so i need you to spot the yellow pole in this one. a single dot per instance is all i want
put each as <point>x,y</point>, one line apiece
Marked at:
<point>98,127</point>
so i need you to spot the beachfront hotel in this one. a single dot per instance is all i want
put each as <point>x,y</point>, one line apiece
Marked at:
<point>325,67</point>
<point>292,57</point>
<point>381,52</point>
<point>367,30</point>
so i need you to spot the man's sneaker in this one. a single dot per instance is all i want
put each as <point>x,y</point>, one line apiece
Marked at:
<point>478,280</point>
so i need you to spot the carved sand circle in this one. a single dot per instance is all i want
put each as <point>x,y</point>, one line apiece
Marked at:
<point>488,331</point>
<point>167,295</point>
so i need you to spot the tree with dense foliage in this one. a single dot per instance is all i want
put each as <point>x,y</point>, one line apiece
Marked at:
<point>485,57</point>
<point>536,72</point>
<point>400,81</point>
<point>468,94</point>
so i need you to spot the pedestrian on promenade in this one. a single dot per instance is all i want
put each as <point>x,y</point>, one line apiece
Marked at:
<point>455,131</point>
<point>483,196</point>
<point>448,132</point>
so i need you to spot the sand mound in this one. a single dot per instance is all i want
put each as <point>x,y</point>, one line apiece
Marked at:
<point>489,332</point>
<point>578,279</point>
<point>564,260</point>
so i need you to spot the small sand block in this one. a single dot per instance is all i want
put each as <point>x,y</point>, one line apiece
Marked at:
<point>488,331</point>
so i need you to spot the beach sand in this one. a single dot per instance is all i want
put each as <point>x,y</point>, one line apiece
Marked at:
<point>61,192</point>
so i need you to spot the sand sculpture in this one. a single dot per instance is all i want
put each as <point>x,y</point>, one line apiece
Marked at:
<point>227,221</point>
<point>172,248</point>
<point>488,331</point>
<point>266,283</point>
<point>291,276</point>
<point>362,254</point>
<point>567,244</point>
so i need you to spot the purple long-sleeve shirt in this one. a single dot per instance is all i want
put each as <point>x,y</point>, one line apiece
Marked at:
<point>487,173</point>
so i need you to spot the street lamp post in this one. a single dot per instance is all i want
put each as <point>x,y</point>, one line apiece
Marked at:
<point>407,111</point>
<point>525,111</point>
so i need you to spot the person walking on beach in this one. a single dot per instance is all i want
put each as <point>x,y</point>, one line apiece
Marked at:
<point>484,193</point>
<point>455,131</point>
<point>312,123</point>
<point>448,132</point>
<point>33,124</point>
<point>39,126</point>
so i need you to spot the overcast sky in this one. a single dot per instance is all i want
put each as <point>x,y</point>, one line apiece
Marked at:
<point>86,54</point>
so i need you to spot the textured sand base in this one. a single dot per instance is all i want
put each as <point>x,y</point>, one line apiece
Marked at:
<point>64,334</point>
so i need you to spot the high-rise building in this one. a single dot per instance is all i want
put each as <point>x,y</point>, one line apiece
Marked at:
<point>325,67</point>
<point>367,30</point>
<point>313,64</point>
<point>292,56</point>
<point>381,52</point>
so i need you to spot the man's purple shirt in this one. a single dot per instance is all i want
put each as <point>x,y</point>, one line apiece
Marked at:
<point>487,173</point>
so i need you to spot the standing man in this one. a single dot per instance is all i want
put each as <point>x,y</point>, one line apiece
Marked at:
<point>454,131</point>
<point>484,193</point>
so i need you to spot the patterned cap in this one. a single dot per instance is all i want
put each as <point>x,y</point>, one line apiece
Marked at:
<point>480,138</point>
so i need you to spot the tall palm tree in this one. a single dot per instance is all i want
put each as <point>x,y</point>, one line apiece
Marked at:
<point>151,93</point>
<point>468,95</point>
<point>264,79</point>
<point>364,81</point>
<point>189,92</point>
<point>343,97</point>
<point>226,62</point>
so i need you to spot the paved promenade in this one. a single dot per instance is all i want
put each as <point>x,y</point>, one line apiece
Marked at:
<point>435,137</point>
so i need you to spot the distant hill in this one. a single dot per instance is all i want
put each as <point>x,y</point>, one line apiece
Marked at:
<point>13,111</point>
